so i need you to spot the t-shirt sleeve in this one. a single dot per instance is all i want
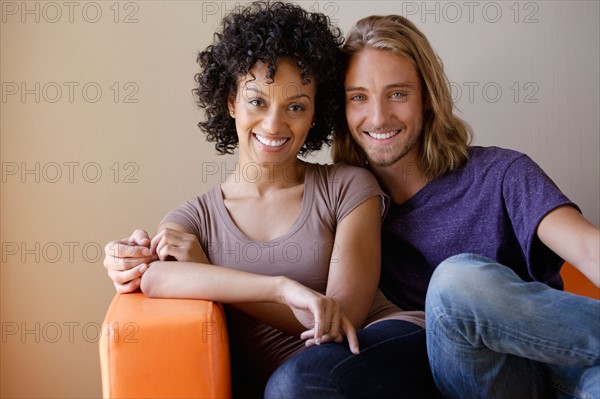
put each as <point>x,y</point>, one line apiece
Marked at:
<point>352,186</point>
<point>190,216</point>
<point>529,195</point>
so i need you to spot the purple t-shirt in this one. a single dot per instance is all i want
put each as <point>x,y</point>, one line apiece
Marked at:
<point>491,206</point>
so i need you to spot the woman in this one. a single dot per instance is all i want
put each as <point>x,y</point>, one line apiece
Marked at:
<point>293,247</point>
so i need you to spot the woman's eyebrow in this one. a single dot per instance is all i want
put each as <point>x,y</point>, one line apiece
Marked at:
<point>259,91</point>
<point>255,89</point>
<point>294,97</point>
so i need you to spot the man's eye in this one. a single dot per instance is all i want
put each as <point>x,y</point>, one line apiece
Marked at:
<point>358,97</point>
<point>398,94</point>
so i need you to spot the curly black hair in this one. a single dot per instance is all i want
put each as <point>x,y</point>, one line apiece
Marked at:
<point>265,31</point>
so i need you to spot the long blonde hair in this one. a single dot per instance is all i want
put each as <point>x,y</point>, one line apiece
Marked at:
<point>445,137</point>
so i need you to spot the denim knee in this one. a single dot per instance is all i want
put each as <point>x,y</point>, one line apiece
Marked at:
<point>300,377</point>
<point>282,381</point>
<point>461,281</point>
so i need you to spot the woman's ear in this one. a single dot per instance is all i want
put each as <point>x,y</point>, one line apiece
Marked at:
<point>231,107</point>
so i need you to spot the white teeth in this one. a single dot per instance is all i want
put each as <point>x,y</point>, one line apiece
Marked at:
<point>383,136</point>
<point>271,143</point>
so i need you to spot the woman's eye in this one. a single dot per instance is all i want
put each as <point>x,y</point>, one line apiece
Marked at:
<point>296,108</point>
<point>257,102</point>
<point>398,94</point>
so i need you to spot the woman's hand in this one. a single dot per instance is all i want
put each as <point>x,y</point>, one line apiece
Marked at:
<point>323,315</point>
<point>184,247</point>
<point>127,259</point>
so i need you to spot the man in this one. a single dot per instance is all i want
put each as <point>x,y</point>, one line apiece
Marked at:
<point>498,324</point>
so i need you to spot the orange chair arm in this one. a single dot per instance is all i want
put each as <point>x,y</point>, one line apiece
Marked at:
<point>164,348</point>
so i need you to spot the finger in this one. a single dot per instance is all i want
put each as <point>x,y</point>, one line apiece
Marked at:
<point>308,337</point>
<point>140,237</point>
<point>334,326</point>
<point>121,264</point>
<point>308,334</point>
<point>169,234</point>
<point>170,253</point>
<point>156,239</point>
<point>163,238</point>
<point>129,287</point>
<point>350,333</point>
<point>169,247</point>
<point>122,249</point>
<point>158,242</point>
<point>318,329</point>
<point>327,338</point>
<point>165,251</point>
<point>123,277</point>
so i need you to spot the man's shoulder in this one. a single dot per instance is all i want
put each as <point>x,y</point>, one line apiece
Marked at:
<point>493,158</point>
<point>478,153</point>
<point>486,165</point>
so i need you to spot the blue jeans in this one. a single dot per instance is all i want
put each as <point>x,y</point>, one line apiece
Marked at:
<point>392,364</point>
<point>492,335</point>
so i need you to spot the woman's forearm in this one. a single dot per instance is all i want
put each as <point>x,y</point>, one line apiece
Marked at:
<point>278,301</point>
<point>209,282</point>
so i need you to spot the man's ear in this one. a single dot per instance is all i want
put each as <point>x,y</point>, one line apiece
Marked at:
<point>425,95</point>
<point>426,101</point>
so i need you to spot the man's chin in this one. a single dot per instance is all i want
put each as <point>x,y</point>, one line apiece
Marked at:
<point>382,162</point>
<point>380,158</point>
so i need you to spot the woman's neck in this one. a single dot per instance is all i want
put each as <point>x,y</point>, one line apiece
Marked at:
<point>254,179</point>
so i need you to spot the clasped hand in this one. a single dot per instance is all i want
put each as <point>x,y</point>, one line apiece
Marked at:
<point>127,259</point>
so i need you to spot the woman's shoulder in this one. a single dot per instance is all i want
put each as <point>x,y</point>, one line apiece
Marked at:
<point>206,199</point>
<point>342,171</point>
<point>341,180</point>
<point>198,207</point>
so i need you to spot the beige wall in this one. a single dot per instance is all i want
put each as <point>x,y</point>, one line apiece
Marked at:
<point>99,136</point>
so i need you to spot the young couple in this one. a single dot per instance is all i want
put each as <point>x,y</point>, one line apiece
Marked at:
<point>473,236</point>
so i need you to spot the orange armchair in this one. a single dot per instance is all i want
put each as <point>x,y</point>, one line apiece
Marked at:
<point>164,348</point>
<point>175,348</point>
<point>577,283</point>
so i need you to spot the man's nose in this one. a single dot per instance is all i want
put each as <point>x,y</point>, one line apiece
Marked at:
<point>378,113</point>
